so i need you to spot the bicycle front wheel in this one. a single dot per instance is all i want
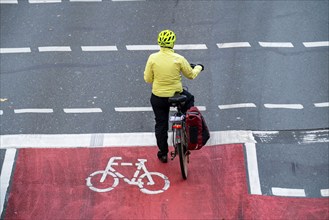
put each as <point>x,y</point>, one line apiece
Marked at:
<point>183,157</point>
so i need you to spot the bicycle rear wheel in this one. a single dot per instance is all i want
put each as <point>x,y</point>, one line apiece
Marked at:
<point>183,156</point>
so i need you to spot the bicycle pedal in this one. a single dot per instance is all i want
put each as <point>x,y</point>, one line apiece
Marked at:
<point>173,155</point>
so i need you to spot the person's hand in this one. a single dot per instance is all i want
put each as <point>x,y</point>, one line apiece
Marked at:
<point>192,65</point>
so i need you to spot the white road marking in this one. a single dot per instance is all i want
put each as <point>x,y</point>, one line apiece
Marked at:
<point>111,139</point>
<point>190,47</point>
<point>288,192</point>
<point>233,45</point>
<point>325,192</point>
<point>99,48</point>
<point>276,44</point>
<point>253,173</point>
<point>1,112</point>
<point>15,50</point>
<point>8,2</point>
<point>240,105</point>
<point>85,0</point>
<point>316,44</point>
<point>321,105</point>
<point>33,110</point>
<point>126,164</point>
<point>133,109</point>
<point>55,49</point>
<point>6,171</point>
<point>82,110</point>
<point>44,1</point>
<point>128,0</point>
<point>284,106</point>
<point>143,47</point>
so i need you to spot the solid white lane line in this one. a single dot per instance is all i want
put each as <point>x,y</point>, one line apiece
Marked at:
<point>55,49</point>
<point>1,112</point>
<point>6,171</point>
<point>316,44</point>
<point>8,2</point>
<point>111,139</point>
<point>288,192</point>
<point>276,44</point>
<point>33,110</point>
<point>190,47</point>
<point>82,110</point>
<point>16,50</point>
<point>253,173</point>
<point>321,105</point>
<point>240,105</point>
<point>325,192</point>
<point>99,48</point>
<point>44,1</point>
<point>284,106</point>
<point>233,45</point>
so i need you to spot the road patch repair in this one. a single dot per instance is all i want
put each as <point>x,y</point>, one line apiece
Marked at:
<point>128,182</point>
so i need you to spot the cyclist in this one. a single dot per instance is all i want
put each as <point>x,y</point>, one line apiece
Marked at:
<point>163,69</point>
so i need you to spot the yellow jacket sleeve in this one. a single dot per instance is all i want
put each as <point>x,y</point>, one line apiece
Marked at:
<point>188,71</point>
<point>148,73</point>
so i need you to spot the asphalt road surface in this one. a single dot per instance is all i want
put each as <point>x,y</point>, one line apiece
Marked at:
<point>76,67</point>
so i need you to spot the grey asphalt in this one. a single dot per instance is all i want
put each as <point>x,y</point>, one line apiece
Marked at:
<point>107,80</point>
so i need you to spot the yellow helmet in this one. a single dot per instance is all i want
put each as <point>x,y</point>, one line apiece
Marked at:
<point>166,38</point>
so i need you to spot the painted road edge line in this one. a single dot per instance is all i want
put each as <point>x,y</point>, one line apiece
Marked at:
<point>276,44</point>
<point>16,50</point>
<point>288,192</point>
<point>316,44</point>
<point>284,106</point>
<point>233,45</point>
<point>82,110</point>
<point>5,175</point>
<point>253,173</point>
<point>240,105</point>
<point>112,139</point>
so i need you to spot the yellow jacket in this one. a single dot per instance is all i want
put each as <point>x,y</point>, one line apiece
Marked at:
<point>163,70</point>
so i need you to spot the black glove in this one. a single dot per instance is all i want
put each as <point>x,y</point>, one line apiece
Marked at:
<point>201,66</point>
<point>192,65</point>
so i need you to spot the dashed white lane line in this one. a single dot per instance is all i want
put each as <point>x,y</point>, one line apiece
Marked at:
<point>8,2</point>
<point>44,1</point>
<point>16,50</point>
<point>82,110</point>
<point>288,192</point>
<point>148,109</point>
<point>284,106</point>
<point>1,112</point>
<point>276,44</point>
<point>324,192</point>
<point>316,44</point>
<point>233,45</point>
<point>99,48</point>
<point>128,0</point>
<point>6,174</point>
<point>33,110</point>
<point>55,49</point>
<point>85,0</point>
<point>240,105</point>
<point>253,173</point>
<point>176,47</point>
<point>321,105</point>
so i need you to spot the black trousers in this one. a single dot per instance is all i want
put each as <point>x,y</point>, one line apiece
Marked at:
<point>161,109</point>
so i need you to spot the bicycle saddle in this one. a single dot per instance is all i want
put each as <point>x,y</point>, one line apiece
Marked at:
<point>177,98</point>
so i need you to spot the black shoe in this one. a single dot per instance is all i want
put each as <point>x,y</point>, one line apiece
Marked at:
<point>163,158</point>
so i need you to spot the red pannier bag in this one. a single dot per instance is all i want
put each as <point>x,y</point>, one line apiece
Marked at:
<point>196,129</point>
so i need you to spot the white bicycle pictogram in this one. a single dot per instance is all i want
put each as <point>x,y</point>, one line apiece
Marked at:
<point>136,180</point>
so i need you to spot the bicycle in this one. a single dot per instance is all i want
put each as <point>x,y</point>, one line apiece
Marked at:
<point>179,133</point>
<point>138,180</point>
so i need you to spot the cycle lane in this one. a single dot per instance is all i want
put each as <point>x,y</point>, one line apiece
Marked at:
<point>51,184</point>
